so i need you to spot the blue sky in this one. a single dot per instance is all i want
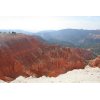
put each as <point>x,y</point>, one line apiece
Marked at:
<point>38,23</point>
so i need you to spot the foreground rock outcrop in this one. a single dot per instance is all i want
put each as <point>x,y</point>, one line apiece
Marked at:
<point>95,62</point>
<point>23,55</point>
<point>86,75</point>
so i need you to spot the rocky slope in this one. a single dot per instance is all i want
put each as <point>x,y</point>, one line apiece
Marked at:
<point>23,55</point>
<point>86,75</point>
<point>95,62</point>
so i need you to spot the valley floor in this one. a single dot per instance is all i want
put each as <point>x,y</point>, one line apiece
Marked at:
<point>88,74</point>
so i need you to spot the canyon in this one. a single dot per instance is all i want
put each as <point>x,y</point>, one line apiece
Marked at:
<point>26,55</point>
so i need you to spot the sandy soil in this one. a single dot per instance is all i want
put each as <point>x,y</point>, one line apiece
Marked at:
<point>76,76</point>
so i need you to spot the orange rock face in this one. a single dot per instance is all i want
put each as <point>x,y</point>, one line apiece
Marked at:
<point>27,56</point>
<point>95,62</point>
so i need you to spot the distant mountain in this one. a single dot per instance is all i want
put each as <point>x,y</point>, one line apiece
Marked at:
<point>92,42</point>
<point>89,39</point>
<point>74,36</point>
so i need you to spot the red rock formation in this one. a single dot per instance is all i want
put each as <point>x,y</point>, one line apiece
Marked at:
<point>95,62</point>
<point>27,56</point>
